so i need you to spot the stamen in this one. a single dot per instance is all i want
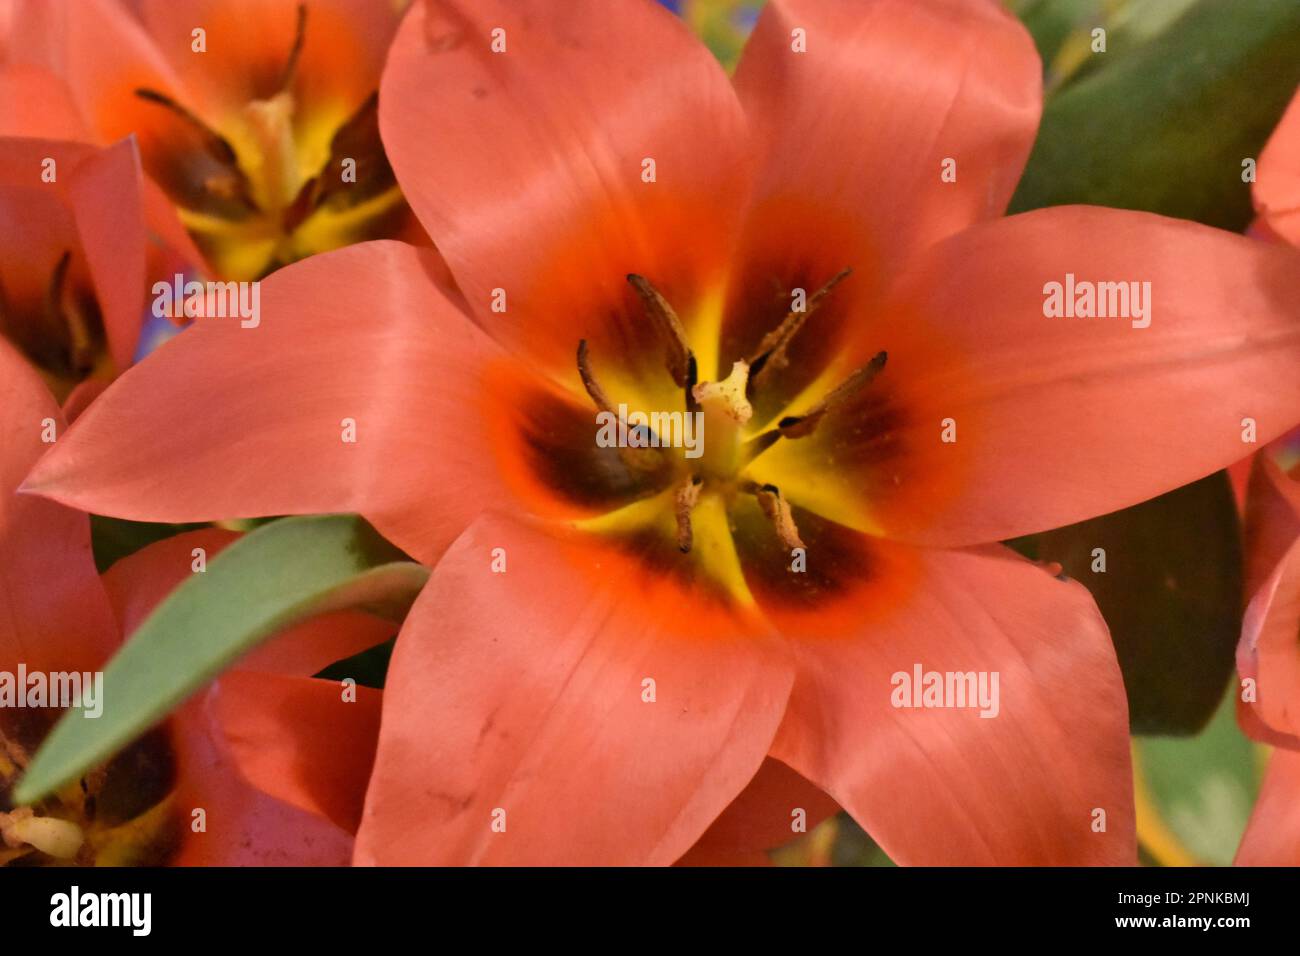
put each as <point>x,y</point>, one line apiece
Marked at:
<point>589,379</point>
<point>64,312</point>
<point>777,510</point>
<point>295,52</point>
<point>771,351</point>
<point>680,359</point>
<point>13,756</point>
<point>646,458</point>
<point>684,500</point>
<point>232,183</point>
<point>798,426</point>
<point>221,150</point>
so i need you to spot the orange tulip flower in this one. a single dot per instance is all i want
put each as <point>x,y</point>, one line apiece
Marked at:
<point>616,640</point>
<point>258,117</point>
<point>80,229</point>
<point>175,795</point>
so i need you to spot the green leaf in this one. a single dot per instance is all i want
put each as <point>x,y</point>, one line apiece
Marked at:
<point>1171,594</point>
<point>1051,22</point>
<point>1203,787</point>
<point>276,576</point>
<point>1164,126</point>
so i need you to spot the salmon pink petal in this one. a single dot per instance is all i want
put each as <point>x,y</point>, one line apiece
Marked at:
<point>995,416</point>
<point>927,80</point>
<point>337,64</point>
<point>856,107</point>
<point>310,647</point>
<point>35,102</point>
<point>1043,779</point>
<point>54,613</point>
<point>300,740</point>
<point>623,143</point>
<point>106,192</point>
<point>1272,519</point>
<point>103,55</point>
<point>136,584</point>
<point>358,343</point>
<point>1277,187</point>
<point>777,806</point>
<point>564,711</point>
<point>1269,653</point>
<point>239,825</point>
<point>1272,836</point>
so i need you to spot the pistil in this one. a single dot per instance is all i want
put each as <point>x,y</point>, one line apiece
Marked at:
<point>726,410</point>
<point>60,839</point>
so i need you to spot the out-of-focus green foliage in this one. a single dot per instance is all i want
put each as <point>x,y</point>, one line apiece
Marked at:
<point>274,577</point>
<point>1163,120</point>
<point>1202,788</point>
<point>114,538</point>
<point>1170,593</point>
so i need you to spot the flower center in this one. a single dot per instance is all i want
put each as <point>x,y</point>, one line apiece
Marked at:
<point>120,814</point>
<point>268,188</point>
<point>724,412</point>
<point>61,331</point>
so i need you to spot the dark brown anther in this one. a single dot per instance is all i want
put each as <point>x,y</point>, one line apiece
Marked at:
<point>66,315</point>
<point>771,351</point>
<point>232,184</point>
<point>295,52</point>
<point>798,426</point>
<point>357,139</point>
<point>684,501</point>
<point>680,360</point>
<point>589,379</point>
<point>646,459</point>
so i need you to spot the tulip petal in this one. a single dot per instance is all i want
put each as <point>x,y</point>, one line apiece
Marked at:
<point>1277,188</point>
<point>1272,836</point>
<point>1269,652</point>
<point>777,806</point>
<point>239,825</point>
<point>992,420</point>
<point>34,102</point>
<point>300,740</point>
<point>360,336</point>
<point>106,191</point>
<point>338,65</point>
<point>102,55</point>
<point>535,716</point>
<point>944,785</point>
<point>584,94</point>
<point>1271,519</point>
<point>853,134</point>
<point>54,614</point>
